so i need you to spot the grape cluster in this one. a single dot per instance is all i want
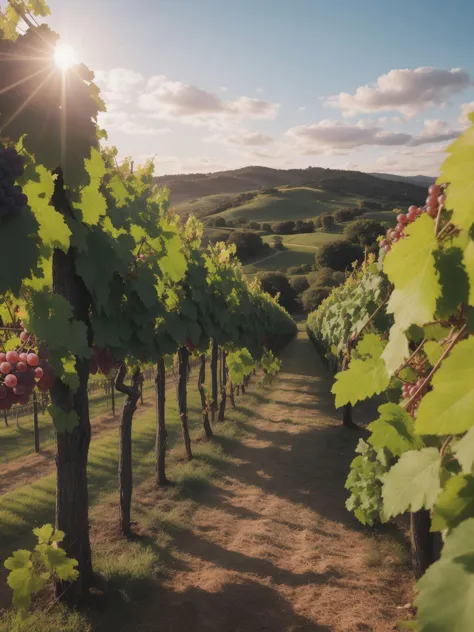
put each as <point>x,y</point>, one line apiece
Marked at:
<point>12,198</point>
<point>435,200</point>
<point>102,361</point>
<point>409,390</point>
<point>22,369</point>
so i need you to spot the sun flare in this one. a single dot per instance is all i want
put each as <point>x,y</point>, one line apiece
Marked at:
<point>64,56</point>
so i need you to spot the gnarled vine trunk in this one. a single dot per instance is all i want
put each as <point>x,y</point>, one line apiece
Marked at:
<point>161,433</point>
<point>214,379</point>
<point>231,395</point>
<point>35,422</point>
<point>202,393</point>
<point>223,381</point>
<point>425,545</point>
<point>125,448</point>
<point>183,368</point>
<point>72,448</point>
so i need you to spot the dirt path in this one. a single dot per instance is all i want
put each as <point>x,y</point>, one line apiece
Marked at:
<point>271,546</point>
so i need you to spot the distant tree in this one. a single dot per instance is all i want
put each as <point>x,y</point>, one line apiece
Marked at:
<point>278,283</point>
<point>269,191</point>
<point>277,243</point>
<point>248,243</point>
<point>241,221</point>
<point>284,228</point>
<point>217,221</point>
<point>364,231</point>
<point>312,298</point>
<point>299,283</point>
<point>345,215</point>
<point>375,206</point>
<point>326,277</point>
<point>254,225</point>
<point>267,228</point>
<point>302,226</point>
<point>328,221</point>
<point>231,223</point>
<point>339,255</point>
<point>304,268</point>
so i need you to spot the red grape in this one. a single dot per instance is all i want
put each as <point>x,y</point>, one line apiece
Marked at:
<point>5,367</point>
<point>19,389</point>
<point>32,359</point>
<point>402,218</point>
<point>23,357</point>
<point>412,213</point>
<point>11,381</point>
<point>21,367</point>
<point>24,399</point>
<point>24,336</point>
<point>39,372</point>
<point>12,357</point>
<point>441,199</point>
<point>434,189</point>
<point>3,357</point>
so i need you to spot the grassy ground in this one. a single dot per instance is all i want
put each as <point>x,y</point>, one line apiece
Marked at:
<point>253,535</point>
<point>283,259</point>
<point>294,203</point>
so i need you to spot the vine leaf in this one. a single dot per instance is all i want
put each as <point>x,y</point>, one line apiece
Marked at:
<point>447,409</point>
<point>469,266</point>
<point>464,451</point>
<point>444,599</point>
<point>413,482</point>
<point>64,421</point>
<point>93,204</point>
<point>433,351</point>
<point>396,351</point>
<point>394,430</point>
<point>455,503</point>
<point>410,266</point>
<point>363,378</point>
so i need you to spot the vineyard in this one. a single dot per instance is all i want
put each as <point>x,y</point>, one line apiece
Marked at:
<point>400,330</point>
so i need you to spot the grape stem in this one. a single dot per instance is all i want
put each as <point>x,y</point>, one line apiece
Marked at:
<point>410,359</point>
<point>445,445</point>
<point>436,366</point>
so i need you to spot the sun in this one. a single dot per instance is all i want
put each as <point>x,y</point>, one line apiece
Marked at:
<point>64,56</point>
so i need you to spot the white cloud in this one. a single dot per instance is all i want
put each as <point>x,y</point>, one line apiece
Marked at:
<point>434,131</point>
<point>119,85</point>
<point>466,108</point>
<point>410,162</point>
<point>403,90</point>
<point>174,100</point>
<point>302,108</point>
<point>252,139</point>
<point>121,121</point>
<point>259,91</point>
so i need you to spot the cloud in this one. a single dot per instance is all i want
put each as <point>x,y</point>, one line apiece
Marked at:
<point>409,162</point>
<point>121,121</point>
<point>338,137</point>
<point>302,108</point>
<point>259,90</point>
<point>252,139</point>
<point>329,135</point>
<point>174,100</point>
<point>119,85</point>
<point>403,90</point>
<point>466,109</point>
<point>434,131</point>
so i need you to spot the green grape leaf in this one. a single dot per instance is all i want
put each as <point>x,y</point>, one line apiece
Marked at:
<point>44,533</point>
<point>447,409</point>
<point>64,421</point>
<point>21,228</point>
<point>464,451</point>
<point>408,374</point>
<point>173,264</point>
<point>24,582</point>
<point>363,378</point>
<point>19,559</point>
<point>444,593</point>
<point>455,503</point>
<point>410,266</point>
<point>433,350</point>
<point>413,482</point>
<point>393,430</point>
<point>453,280</point>
<point>93,204</point>
<point>57,561</point>
<point>53,230</point>
<point>435,332</point>
<point>469,266</point>
<point>396,351</point>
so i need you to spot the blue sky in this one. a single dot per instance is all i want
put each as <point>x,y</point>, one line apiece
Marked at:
<point>205,85</point>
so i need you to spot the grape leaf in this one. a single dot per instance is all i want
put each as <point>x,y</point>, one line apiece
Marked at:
<point>435,332</point>
<point>469,266</point>
<point>453,280</point>
<point>24,582</point>
<point>447,409</point>
<point>363,378</point>
<point>464,451</point>
<point>393,430</point>
<point>19,559</point>
<point>455,503</point>
<point>64,421</point>
<point>93,204</point>
<point>444,599</point>
<point>22,229</point>
<point>411,268</point>
<point>53,230</point>
<point>413,482</point>
<point>433,351</point>
<point>396,351</point>
<point>44,533</point>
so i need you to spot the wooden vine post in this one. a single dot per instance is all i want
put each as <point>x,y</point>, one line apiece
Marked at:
<point>161,433</point>
<point>183,368</point>
<point>222,405</point>
<point>214,378</point>
<point>202,393</point>
<point>132,393</point>
<point>35,422</point>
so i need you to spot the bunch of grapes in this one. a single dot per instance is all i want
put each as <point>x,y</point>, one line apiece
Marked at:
<point>12,198</point>
<point>435,200</point>
<point>102,361</point>
<point>22,369</point>
<point>410,389</point>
